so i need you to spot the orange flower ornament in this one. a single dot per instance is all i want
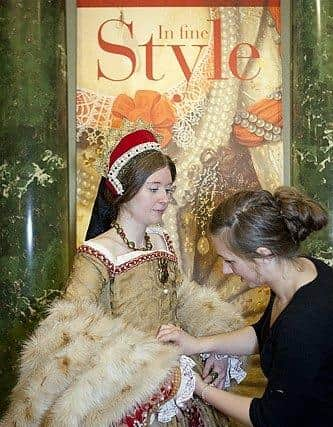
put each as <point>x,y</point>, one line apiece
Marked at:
<point>149,106</point>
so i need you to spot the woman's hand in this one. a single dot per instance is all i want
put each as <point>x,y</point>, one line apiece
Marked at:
<point>174,334</point>
<point>215,371</point>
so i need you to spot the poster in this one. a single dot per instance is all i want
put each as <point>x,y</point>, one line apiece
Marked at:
<point>219,67</point>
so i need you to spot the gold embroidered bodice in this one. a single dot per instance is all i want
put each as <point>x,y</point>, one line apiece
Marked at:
<point>141,298</point>
<point>139,287</point>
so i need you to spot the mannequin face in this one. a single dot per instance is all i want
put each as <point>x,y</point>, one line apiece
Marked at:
<point>249,271</point>
<point>149,204</point>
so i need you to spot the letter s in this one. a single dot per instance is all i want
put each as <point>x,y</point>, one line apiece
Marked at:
<point>117,49</point>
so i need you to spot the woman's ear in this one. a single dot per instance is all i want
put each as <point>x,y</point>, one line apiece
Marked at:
<point>264,252</point>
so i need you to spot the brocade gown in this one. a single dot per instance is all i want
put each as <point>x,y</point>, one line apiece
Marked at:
<point>95,361</point>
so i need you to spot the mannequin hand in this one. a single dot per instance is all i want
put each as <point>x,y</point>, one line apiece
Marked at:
<point>174,334</point>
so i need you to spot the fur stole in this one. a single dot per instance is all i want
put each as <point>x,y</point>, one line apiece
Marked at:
<point>202,312</point>
<point>83,368</point>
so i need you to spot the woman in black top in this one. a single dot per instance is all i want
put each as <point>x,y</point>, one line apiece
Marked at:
<point>258,235</point>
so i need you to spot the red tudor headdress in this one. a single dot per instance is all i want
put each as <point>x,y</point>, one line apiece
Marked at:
<point>128,147</point>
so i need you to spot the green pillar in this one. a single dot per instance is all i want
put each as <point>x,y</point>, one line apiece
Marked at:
<point>33,171</point>
<point>312,113</point>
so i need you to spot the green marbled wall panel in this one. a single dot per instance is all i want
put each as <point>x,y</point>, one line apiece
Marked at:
<point>312,113</point>
<point>33,170</point>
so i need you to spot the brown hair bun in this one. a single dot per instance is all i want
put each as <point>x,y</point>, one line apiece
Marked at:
<point>249,219</point>
<point>301,214</point>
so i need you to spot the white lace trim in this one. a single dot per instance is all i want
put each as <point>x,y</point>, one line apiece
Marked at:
<point>185,392</point>
<point>235,371</point>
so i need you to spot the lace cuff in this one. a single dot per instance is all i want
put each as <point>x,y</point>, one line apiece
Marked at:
<point>185,391</point>
<point>234,369</point>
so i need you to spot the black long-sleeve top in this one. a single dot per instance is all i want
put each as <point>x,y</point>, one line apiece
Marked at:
<point>297,358</point>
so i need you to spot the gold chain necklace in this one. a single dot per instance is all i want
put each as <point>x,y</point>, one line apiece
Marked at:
<point>129,243</point>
